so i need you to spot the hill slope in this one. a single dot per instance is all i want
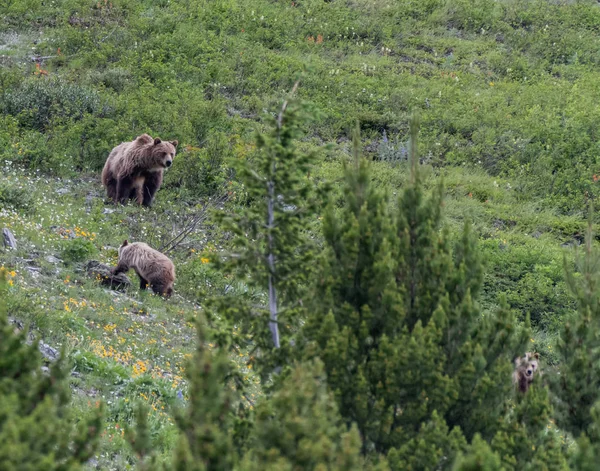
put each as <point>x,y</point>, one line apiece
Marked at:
<point>505,91</point>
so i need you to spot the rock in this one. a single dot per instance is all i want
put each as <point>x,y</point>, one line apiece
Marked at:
<point>62,191</point>
<point>9,239</point>
<point>102,273</point>
<point>53,259</point>
<point>48,352</point>
<point>108,211</point>
<point>34,271</point>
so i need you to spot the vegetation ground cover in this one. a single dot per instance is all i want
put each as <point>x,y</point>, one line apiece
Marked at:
<point>505,91</point>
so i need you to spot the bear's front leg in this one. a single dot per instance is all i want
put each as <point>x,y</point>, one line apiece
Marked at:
<point>123,190</point>
<point>111,189</point>
<point>151,185</point>
<point>120,268</point>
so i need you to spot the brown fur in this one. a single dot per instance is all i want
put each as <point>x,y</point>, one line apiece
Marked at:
<point>152,267</point>
<point>525,369</point>
<point>134,170</point>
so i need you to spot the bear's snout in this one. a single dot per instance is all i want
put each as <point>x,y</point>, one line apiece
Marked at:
<point>529,372</point>
<point>168,163</point>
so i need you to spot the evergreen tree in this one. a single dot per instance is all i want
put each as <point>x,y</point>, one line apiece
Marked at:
<point>37,430</point>
<point>479,458</point>
<point>140,439</point>
<point>206,423</point>
<point>523,440</point>
<point>576,385</point>
<point>270,246</point>
<point>408,355</point>
<point>299,428</point>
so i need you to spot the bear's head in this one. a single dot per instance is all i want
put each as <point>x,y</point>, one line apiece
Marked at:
<point>163,152</point>
<point>528,365</point>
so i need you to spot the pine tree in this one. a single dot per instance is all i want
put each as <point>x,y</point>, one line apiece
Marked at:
<point>139,437</point>
<point>576,385</point>
<point>523,440</point>
<point>408,355</point>
<point>206,423</point>
<point>270,245</point>
<point>37,430</point>
<point>480,457</point>
<point>299,427</point>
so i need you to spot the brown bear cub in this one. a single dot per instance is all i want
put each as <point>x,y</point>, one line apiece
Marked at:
<point>525,368</point>
<point>134,170</point>
<point>153,268</point>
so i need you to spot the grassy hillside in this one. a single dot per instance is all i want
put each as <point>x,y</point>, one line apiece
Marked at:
<point>505,89</point>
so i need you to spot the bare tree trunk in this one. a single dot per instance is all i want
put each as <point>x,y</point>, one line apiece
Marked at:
<point>273,309</point>
<point>271,261</point>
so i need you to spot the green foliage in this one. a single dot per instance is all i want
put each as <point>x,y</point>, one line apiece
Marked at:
<point>15,196</point>
<point>37,428</point>
<point>524,440</point>
<point>140,439</point>
<point>480,457</point>
<point>78,250</point>
<point>36,103</point>
<point>299,427</point>
<point>202,171</point>
<point>577,393</point>
<point>206,422</point>
<point>407,353</point>
<point>271,250</point>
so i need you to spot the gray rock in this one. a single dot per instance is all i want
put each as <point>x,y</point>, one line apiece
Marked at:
<point>9,239</point>
<point>102,273</point>
<point>53,259</point>
<point>34,271</point>
<point>48,352</point>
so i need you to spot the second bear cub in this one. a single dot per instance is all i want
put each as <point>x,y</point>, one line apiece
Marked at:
<point>525,368</point>
<point>153,268</point>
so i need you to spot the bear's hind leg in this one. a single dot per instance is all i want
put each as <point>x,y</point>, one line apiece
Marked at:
<point>143,282</point>
<point>124,189</point>
<point>152,183</point>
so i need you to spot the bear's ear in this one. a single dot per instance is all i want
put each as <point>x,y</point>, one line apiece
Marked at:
<point>175,143</point>
<point>536,356</point>
<point>157,141</point>
<point>124,243</point>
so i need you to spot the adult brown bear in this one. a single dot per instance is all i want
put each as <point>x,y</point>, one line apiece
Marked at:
<point>134,170</point>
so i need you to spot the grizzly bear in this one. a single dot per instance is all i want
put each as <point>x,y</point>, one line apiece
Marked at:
<point>153,268</point>
<point>134,170</point>
<point>525,368</point>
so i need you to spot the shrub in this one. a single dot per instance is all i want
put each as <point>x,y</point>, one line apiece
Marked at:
<point>77,250</point>
<point>15,197</point>
<point>201,171</point>
<point>36,103</point>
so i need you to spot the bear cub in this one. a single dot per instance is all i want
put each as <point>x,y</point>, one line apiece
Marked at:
<point>525,368</point>
<point>134,170</point>
<point>152,267</point>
